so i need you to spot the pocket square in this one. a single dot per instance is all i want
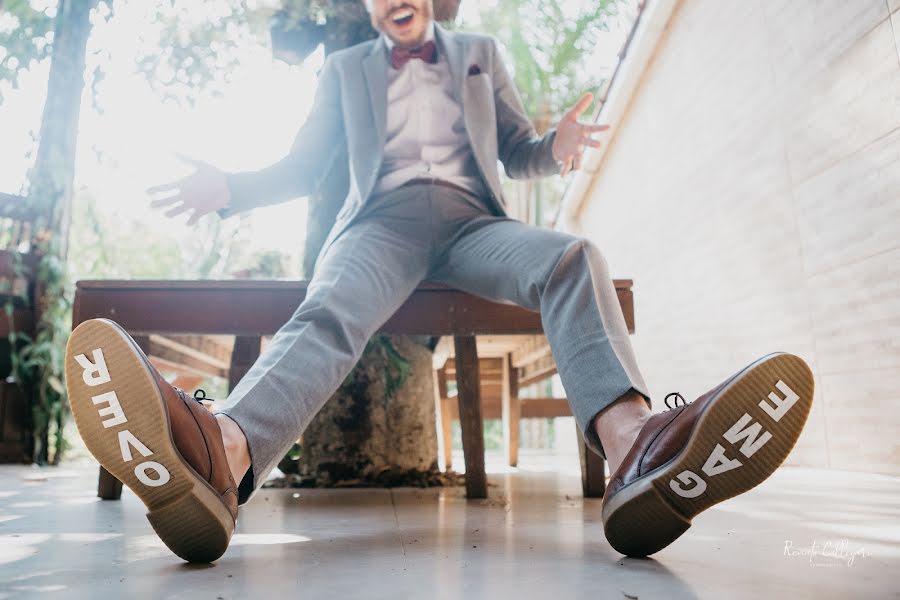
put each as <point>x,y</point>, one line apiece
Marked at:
<point>474,69</point>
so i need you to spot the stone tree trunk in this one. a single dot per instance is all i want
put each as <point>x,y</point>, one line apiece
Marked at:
<point>379,427</point>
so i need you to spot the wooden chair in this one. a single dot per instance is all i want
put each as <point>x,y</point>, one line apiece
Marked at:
<point>507,364</point>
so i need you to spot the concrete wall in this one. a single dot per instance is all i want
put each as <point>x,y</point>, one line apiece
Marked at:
<point>752,190</point>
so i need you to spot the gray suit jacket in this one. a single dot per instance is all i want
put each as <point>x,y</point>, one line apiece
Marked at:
<point>350,108</point>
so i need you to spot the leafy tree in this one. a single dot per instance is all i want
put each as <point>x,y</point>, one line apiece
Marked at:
<point>28,42</point>
<point>38,365</point>
<point>60,32</point>
<point>546,42</point>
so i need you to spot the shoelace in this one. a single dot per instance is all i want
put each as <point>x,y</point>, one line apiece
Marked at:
<point>199,394</point>
<point>675,401</point>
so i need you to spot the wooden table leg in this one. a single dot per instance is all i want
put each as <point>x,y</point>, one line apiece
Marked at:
<point>108,487</point>
<point>511,411</point>
<point>468,380</point>
<point>243,355</point>
<point>593,470</point>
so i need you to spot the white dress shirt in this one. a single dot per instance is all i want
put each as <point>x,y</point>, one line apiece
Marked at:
<point>426,136</point>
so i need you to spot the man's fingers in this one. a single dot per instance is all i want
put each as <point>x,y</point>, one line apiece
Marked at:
<point>577,162</point>
<point>591,142</point>
<point>167,201</point>
<point>195,216</point>
<point>567,168</point>
<point>165,187</point>
<point>581,106</point>
<point>177,210</point>
<point>592,128</point>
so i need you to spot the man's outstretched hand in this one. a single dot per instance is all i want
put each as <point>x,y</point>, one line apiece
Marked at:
<point>202,192</point>
<point>572,136</point>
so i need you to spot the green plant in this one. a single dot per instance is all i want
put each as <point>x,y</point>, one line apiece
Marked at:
<point>396,369</point>
<point>38,362</point>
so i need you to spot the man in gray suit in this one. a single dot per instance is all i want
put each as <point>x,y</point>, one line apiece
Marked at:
<point>425,114</point>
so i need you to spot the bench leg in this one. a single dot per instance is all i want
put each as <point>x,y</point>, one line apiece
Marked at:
<point>468,383</point>
<point>593,470</point>
<point>108,487</point>
<point>243,355</point>
<point>511,411</point>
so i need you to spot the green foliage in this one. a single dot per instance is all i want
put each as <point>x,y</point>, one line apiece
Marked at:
<point>28,39</point>
<point>380,349</point>
<point>297,13</point>
<point>38,363</point>
<point>28,36</point>
<point>198,45</point>
<point>547,43</point>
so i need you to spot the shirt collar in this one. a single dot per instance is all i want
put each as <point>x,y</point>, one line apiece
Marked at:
<point>429,35</point>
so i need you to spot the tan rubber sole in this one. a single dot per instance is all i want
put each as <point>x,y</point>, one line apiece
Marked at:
<point>122,417</point>
<point>653,511</point>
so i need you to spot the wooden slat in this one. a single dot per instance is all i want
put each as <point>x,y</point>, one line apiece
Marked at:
<point>539,370</point>
<point>174,355</point>
<point>530,408</point>
<point>251,308</point>
<point>490,368</point>
<point>184,369</point>
<point>443,412</point>
<point>547,408</point>
<point>511,412</point>
<point>214,349</point>
<point>532,349</point>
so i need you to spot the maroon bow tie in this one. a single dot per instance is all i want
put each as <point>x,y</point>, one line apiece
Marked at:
<point>426,52</point>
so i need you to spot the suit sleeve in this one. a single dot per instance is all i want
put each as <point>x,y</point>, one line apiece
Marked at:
<point>524,155</point>
<point>301,172</point>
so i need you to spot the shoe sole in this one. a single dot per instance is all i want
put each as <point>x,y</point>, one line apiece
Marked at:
<point>718,462</point>
<point>123,419</point>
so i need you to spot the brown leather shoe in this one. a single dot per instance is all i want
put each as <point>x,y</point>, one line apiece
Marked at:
<point>159,442</point>
<point>724,443</point>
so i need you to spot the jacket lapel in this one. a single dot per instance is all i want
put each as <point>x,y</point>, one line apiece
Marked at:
<point>466,91</point>
<point>375,69</point>
<point>448,43</point>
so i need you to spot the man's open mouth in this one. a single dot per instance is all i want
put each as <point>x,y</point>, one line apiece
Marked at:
<point>402,17</point>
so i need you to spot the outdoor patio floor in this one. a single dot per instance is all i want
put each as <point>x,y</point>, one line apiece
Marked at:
<point>535,537</point>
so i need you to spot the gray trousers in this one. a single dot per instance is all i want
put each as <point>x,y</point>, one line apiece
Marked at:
<point>425,231</point>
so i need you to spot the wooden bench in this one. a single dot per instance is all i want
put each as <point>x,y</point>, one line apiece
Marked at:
<point>250,310</point>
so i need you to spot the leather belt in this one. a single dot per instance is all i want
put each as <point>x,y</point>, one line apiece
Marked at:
<point>436,181</point>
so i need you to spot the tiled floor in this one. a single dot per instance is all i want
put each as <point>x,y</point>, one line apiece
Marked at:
<point>535,537</point>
